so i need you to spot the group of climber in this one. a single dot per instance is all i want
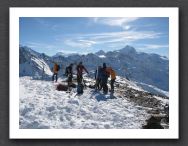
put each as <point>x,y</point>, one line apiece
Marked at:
<point>80,68</point>
<point>102,74</point>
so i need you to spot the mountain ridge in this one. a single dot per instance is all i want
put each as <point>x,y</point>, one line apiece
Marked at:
<point>150,69</point>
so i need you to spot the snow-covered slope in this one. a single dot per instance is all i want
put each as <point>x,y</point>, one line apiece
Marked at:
<point>33,64</point>
<point>42,106</point>
<point>152,89</point>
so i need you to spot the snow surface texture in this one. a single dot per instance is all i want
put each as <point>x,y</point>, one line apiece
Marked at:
<point>43,107</point>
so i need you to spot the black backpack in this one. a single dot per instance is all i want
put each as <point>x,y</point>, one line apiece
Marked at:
<point>80,88</point>
<point>58,67</point>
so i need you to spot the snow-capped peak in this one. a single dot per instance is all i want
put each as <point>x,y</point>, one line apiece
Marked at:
<point>128,49</point>
<point>101,52</point>
<point>28,49</point>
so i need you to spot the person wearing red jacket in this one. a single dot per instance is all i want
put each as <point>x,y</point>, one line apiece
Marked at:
<point>80,69</point>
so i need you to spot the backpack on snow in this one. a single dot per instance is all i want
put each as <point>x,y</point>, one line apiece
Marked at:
<point>61,87</point>
<point>80,88</point>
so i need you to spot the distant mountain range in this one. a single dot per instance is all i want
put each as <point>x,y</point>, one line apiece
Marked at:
<point>143,68</point>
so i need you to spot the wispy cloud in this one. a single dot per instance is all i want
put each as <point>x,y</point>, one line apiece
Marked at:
<point>88,40</point>
<point>79,43</point>
<point>40,45</point>
<point>116,21</point>
<point>156,46</point>
<point>153,46</point>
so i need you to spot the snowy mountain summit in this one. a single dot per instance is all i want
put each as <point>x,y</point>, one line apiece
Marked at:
<point>150,71</point>
<point>133,102</point>
<point>100,52</point>
<point>128,50</point>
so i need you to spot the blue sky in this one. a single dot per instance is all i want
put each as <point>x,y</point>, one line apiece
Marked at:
<point>84,35</point>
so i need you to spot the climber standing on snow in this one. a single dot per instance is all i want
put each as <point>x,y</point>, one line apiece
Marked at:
<point>113,77</point>
<point>104,78</point>
<point>69,74</point>
<point>80,69</point>
<point>55,71</point>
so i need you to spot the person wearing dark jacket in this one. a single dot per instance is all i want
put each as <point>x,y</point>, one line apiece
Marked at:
<point>69,74</point>
<point>104,79</point>
<point>80,69</point>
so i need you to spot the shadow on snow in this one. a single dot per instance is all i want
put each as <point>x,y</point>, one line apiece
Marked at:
<point>102,97</point>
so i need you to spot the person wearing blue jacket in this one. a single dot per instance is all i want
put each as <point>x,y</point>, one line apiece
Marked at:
<point>104,79</point>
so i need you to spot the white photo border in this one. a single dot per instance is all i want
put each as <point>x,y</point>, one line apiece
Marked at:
<point>171,133</point>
